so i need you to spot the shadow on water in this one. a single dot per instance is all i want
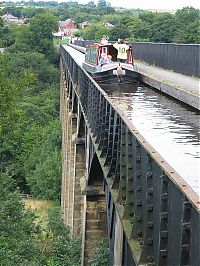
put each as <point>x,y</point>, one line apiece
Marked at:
<point>170,126</point>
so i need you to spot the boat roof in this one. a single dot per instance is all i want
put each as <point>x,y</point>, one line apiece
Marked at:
<point>98,45</point>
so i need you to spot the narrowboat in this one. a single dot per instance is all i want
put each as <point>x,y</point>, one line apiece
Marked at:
<point>111,71</point>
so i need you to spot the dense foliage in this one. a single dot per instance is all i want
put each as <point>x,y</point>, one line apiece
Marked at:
<point>23,243</point>
<point>65,249</point>
<point>17,243</point>
<point>30,144</point>
<point>181,26</point>
<point>101,254</point>
<point>30,129</point>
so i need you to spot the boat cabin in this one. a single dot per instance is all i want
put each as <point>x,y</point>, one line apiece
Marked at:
<point>94,51</point>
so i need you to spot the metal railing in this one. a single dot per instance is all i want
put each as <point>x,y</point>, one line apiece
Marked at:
<point>159,211</point>
<point>181,58</point>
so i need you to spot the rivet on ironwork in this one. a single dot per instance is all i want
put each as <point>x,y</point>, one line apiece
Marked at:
<point>187,205</point>
<point>150,224</point>
<point>187,226</point>
<point>164,234</point>
<point>150,258</point>
<point>138,158</point>
<point>163,252</point>
<point>164,215</point>
<point>131,190</point>
<point>165,196</point>
<point>150,208</point>
<point>131,214</point>
<point>150,241</point>
<point>164,178</point>
<point>139,219</point>
<point>130,167</point>
<point>140,242</point>
<point>149,174</point>
<point>150,191</point>
<point>185,248</point>
<point>139,203</point>
<point>123,197</point>
<point>131,203</point>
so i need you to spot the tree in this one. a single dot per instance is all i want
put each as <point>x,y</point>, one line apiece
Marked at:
<point>39,34</point>
<point>66,250</point>
<point>120,31</point>
<point>187,30</point>
<point>1,24</point>
<point>30,102</point>
<point>7,35</point>
<point>163,28</point>
<point>30,12</point>
<point>17,244</point>
<point>15,11</point>
<point>95,31</point>
<point>139,30</point>
<point>101,3</point>
<point>101,255</point>
<point>91,4</point>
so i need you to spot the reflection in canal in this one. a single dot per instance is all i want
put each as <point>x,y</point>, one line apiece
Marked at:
<point>171,127</point>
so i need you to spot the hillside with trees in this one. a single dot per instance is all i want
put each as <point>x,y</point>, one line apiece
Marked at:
<point>30,150</point>
<point>134,25</point>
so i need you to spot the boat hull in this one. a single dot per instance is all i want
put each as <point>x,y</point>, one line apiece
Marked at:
<point>105,74</point>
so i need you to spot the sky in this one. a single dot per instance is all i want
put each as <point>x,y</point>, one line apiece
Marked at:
<point>148,4</point>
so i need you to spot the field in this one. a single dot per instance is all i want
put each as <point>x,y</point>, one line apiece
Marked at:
<point>40,208</point>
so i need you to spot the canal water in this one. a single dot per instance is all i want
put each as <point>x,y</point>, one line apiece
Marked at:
<point>172,128</point>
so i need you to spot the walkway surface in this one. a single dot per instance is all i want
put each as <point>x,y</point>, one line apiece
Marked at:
<point>184,88</point>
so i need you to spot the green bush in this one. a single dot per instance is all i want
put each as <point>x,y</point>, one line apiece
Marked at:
<point>101,254</point>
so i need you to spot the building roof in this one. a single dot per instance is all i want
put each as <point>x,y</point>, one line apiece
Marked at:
<point>63,24</point>
<point>109,25</point>
<point>9,16</point>
<point>58,34</point>
<point>85,23</point>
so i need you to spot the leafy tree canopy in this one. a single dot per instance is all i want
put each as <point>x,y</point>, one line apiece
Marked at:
<point>17,245</point>
<point>101,3</point>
